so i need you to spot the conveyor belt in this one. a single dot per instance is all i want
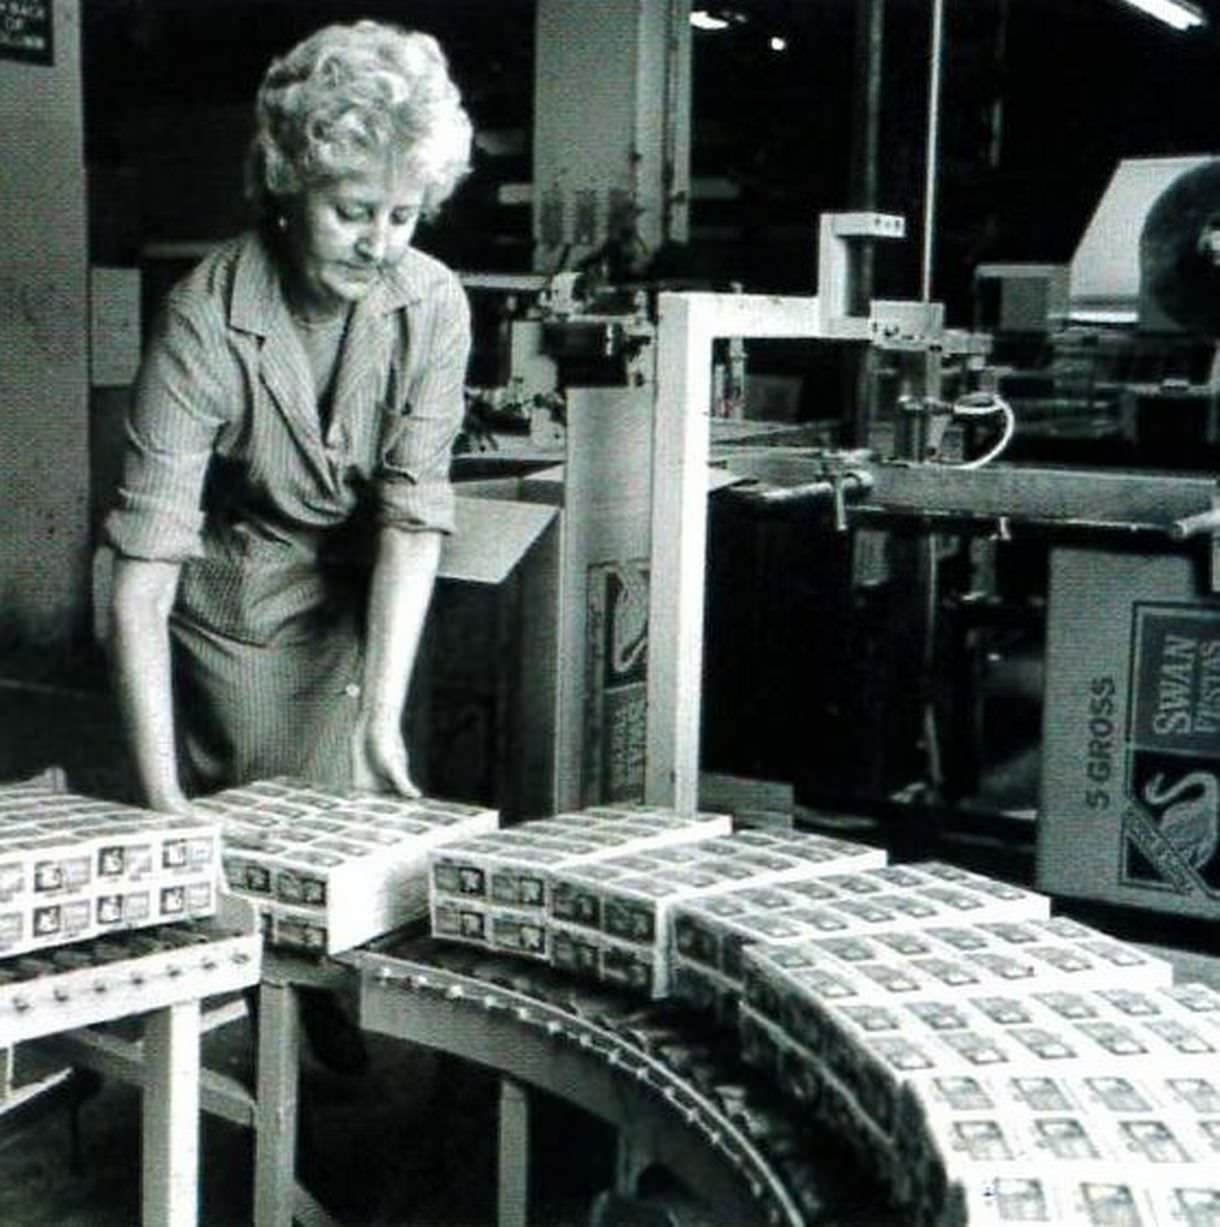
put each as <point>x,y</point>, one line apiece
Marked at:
<point>56,990</point>
<point>668,1077</point>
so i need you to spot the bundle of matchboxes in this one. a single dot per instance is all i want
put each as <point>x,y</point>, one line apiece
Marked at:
<point>325,869</point>
<point>992,1063</point>
<point>73,868</point>
<point>328,869</point>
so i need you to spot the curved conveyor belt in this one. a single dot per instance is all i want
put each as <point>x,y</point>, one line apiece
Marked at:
<point>668,1078</point>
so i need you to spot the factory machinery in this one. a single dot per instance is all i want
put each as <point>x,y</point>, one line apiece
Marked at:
<point>741,1005</point>
<point>795,1028</point>
<point>858,601</point>
<point>1111,357</point>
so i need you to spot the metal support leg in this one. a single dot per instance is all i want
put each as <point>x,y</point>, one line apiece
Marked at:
<point>631,1161</point>
<point>171,1117</point>
<point>276,1115</point>
<point>513,1186</point>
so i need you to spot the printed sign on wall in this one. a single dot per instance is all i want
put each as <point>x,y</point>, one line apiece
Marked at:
<point>26,31</point>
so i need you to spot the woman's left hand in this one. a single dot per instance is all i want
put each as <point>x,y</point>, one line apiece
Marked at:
<point>379,758</point>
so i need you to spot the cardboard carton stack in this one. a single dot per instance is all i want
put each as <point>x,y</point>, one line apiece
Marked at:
<point>74,868</point>
<point>328,870</point>
<point>496,891</point>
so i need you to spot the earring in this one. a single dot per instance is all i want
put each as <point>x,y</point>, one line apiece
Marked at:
<point>281,223</point>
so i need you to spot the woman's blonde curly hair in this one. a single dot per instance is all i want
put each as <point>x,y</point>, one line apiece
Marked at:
<point>349,93</point>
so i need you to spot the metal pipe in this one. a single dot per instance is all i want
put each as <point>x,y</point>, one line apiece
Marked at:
<point>932,152</point>
<point>1195,525</point>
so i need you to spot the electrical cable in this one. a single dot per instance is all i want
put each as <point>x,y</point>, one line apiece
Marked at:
<point>986,404</point>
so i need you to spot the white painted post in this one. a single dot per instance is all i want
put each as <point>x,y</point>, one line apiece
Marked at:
<point>171,1117</point>
<point>512,1204</point>
<point>679,538</point>
<point>687,324</point>
<point>276,1116</point>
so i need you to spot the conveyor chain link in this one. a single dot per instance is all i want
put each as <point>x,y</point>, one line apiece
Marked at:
<point>682,1058</point>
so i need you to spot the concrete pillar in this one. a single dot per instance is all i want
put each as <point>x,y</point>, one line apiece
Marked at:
<point>611,123</point>
<point>44,463</point>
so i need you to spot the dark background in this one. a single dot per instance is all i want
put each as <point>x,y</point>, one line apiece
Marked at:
<point>1041,99</point>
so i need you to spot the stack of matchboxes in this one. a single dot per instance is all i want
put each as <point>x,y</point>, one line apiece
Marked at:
<point>969,1064</point>
<point>497,891</point>
<point>613,920</point>
<point>328,870</point>
<point>989,1062</point>
<point>73,868</point>
<point>593,891</point>
<point>710,933</point>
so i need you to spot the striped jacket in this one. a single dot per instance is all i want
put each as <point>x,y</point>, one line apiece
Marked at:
<point>227,468</point>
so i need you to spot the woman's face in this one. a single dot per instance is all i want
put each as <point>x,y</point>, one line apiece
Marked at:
<point>347,231</point>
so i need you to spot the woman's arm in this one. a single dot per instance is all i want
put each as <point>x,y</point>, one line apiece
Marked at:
<point>143,596</point>
<point>404,574</point>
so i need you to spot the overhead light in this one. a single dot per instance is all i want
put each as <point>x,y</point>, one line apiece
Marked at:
<point>778,43</point>
<point>721,19</point>
<point>1181,14</point>
<point>701,19</point>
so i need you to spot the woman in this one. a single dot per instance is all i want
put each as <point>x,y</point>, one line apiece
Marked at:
<point>285,489</point>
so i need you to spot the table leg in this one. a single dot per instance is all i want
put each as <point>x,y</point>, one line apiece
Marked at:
<point>171,1117</point>
<point>513,1184</point>
<point>631,1160</point>
<point>276,1113</point>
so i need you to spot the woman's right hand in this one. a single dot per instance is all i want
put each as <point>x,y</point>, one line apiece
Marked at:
<point>177,804</point>
<point>379,757</point>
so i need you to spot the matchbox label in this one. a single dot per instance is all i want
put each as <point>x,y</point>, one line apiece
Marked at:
<point>12,881</point>
<point>1171,817</point>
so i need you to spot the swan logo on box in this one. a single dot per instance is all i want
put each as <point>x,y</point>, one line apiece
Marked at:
<point>1172,819</point>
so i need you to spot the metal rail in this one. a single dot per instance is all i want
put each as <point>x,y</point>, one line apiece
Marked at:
<point>631,1064</point>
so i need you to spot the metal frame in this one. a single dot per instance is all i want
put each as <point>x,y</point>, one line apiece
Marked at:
<point>533,1042</point>
<point>168,986</point>
<point>688,323</point>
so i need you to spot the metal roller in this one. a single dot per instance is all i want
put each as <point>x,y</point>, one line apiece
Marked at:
<point>1180,250</point>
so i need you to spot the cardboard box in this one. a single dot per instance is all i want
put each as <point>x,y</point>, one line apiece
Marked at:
<point>1130,809</point>
<point>497,891</point>
<point>73,868</point>
<point>484,724</point>
<point>328,870</point>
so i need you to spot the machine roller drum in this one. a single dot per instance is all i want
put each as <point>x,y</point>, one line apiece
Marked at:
<point>1180,250</point>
